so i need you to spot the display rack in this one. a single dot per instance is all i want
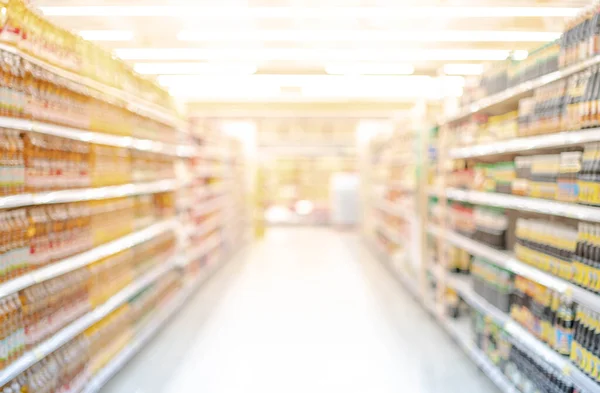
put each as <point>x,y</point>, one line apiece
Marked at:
<point>390,215</point>
<point>116,258</point>
<point>434,219</point>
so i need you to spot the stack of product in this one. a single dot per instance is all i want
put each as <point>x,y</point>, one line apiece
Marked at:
<point>87,237</point>
<point>486,224</point>
<point>492,283</point>
<point>521,172</point>
<point>526,371</point>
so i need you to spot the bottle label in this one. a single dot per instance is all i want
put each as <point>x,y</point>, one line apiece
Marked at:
<point>563,340</point>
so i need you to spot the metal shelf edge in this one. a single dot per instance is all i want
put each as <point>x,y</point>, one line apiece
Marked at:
<point>78,326</point>
<point>535,205</point>
<point>560,139</point>
<point>96,137</point>
<point>87,194</point>
<point>85,258</point>
<point>522,88</point>
<point>132,99</point>
<point>525,338</point>
<point>117,363</point>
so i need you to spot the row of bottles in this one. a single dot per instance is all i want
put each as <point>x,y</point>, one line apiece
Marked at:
<point>26,28</point>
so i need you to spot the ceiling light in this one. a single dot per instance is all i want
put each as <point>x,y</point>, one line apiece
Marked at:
<point>229,12</point>
<point>370,35</point>
<point>370,69</point>
<point>106,35</point>
<point>316,86</point>
<point>301,54</point>
<point>194,68</point>
<point>463,69</point>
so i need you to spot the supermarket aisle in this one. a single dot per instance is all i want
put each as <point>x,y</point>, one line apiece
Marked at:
<point>306,310</point>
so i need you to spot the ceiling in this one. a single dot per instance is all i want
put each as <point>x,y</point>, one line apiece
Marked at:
<point>306,50</point>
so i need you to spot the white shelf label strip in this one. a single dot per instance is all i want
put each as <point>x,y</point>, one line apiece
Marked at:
<point>523,88</point>
<point>476,355</point>
<point>535,205</point>
<point>524,338</point>
<point>96,137</point>
<point>162,317</point>
<point>86,194</point>
<point>85,258</point>
<point>79,326</point>
<point>561,139</point>
<point>134,103</point>
<point>509,262</point>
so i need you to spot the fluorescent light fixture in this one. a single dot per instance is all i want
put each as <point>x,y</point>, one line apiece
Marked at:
<point>463,69</point>
<point>302,54</point>
<point>291,80</point>
<point>316,86</point>
<point>106,35</point>
<point>231,12</point>
<point>370,69</point>
<point>369,35</point>
<point>194,68</point>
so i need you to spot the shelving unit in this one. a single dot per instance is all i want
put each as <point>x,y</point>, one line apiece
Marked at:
<point>434,230</point>
<point>137,275</point>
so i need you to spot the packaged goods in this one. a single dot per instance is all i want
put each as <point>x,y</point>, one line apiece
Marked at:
<point>462,219</point>
<point>580,38</point>
<point>25,29</point>
<point>502,127</point>
<point>530,375</point>
<point>545,313</point>
<point>452,303</point>
<point>73,365</point>
<point>549,246</point>
<point>568,172</point>
<point>544,176</point>
<point>491,338</point>
<point>585,353</point>
<point>491,225</point>
<point>588,178</point>
<point>493,283</point>
<point>459,261</point>
<point>539,62</point>
<point>586,260</point>
<point>497,177</point>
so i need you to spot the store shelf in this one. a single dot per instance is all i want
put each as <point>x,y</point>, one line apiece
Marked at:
<point>210,206</point>
<point>97,137</point>
<point>87,194</point>
<point>391,234</point>
<point>80,325</point>
<point>460,333</point>
<point>134,103</point>
<point>528,144</point>
<point>534,205</point>
<point>521,337</point>
<point>512,95</point>
<point>393,209</point>
<point>509,262</point>
<point>152,328</point>
<point>85,258</point>
<point>202,249</point>
<point>502,259</point>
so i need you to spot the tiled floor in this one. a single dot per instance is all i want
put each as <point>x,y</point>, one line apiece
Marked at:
<point>305,310</point>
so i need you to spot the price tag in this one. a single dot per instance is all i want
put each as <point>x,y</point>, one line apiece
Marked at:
<point>566,370</point>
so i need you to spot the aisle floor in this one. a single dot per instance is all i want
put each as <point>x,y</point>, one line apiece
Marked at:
<point>304,310</point>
